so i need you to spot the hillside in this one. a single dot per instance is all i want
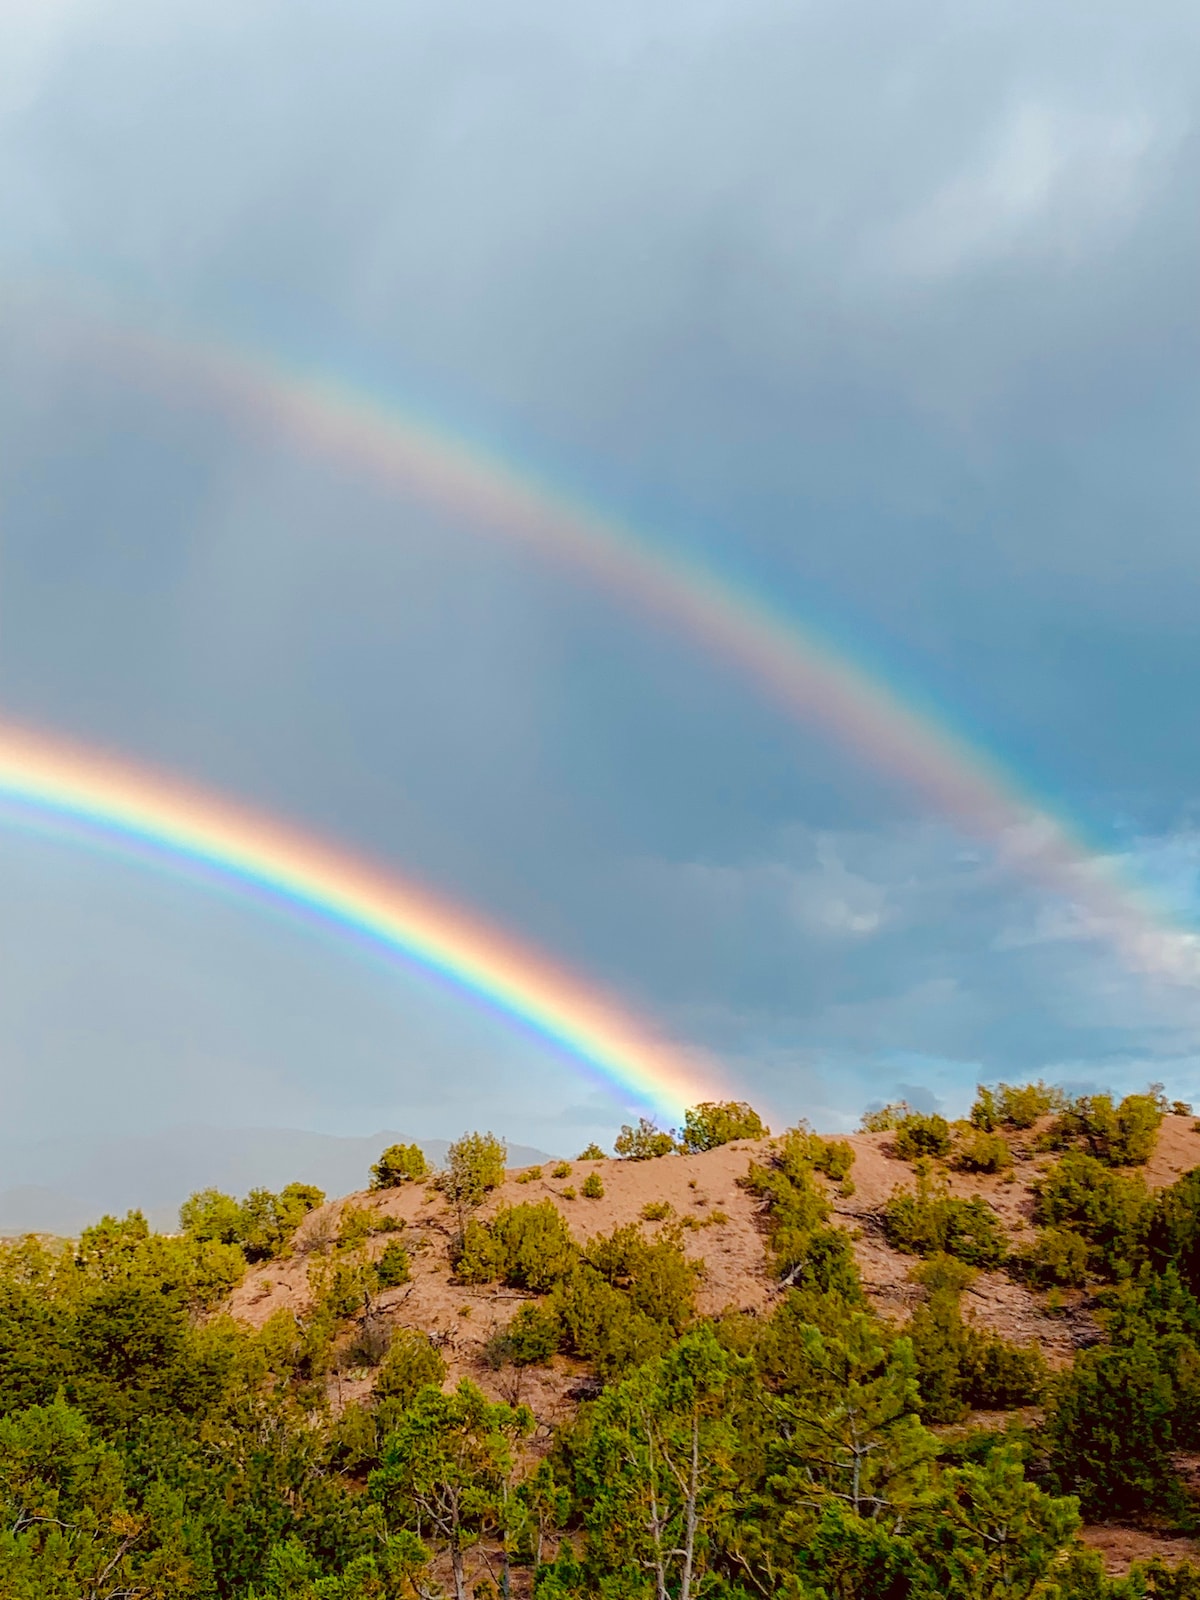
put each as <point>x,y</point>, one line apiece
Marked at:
<point>735,1275</point>
<point>793,1363</point>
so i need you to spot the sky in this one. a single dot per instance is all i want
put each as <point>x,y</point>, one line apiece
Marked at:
<point>889,314</point>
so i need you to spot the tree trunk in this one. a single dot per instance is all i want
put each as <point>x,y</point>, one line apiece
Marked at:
<point>460,1577</point>
<point>689,1539</point>
<point>660,1571</point>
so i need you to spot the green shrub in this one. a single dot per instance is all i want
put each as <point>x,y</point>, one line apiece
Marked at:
<point>794,1200</point>
<point>646,1142</point>
<point>194,1272</point>
<point>1119,1135</point>
<point>562,1170</point>
<point>717,1122</point>
<point>355,1225</point>
<point>654,1273</point>
<point>532,1335</point>
<point>474,1166</point>
<point>807,1252</point>
<point>341,1287</point>
<point>918,1136</point>
<point>262,1224</point>
<point>210,1215</point>
<point>399,1163</point>
<point>586,1307</point>
<point>625,1301</point>
<point>1174,1233</point>
<point>1058,1256</point>
<point>411,1363</point>
<point>656,1210</point>
<point>569,1192</point>
<point>533,1246</point>
<point>1015,1105</point>
<point>525,1246</point>
<point>392,1268</point>
<point>984,1152</point>
<point>599,1325</point>
<point>927,1221</point>
<point>937,1336</point>
<point>269,1220</point>
<point>296,1200</point>
<point>592,1153</point>
<point>973,1233</point>
<point>530,1175</point>
<point>943,1274</point>
<point>593,1188</point>
<point>800,1147</point>
<point>961,1367</point>
<point>835,1160</point>
<point>885,1118</point>
<point>1110,1432</point>
<point>477,1259</point>
<point>1111,1210</point>
<point>985,1113</point>
<point>998,1375</point>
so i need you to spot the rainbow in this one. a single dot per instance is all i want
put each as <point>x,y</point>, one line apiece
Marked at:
<point>132,806</point>
<point>805,675</point>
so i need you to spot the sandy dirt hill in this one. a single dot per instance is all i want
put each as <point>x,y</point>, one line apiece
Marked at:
<point>729,1245</point>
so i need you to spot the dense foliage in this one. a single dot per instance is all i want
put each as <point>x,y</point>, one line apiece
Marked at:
<point>718,1122</point>
<point>918,1135</point>
<point>151,1448</point>
<point>645,1142</point>
<point>261,1224</point>
<point>929,1220</point>
<point>399,1163</point>
<point>1015,1105</point>
<point>1119,1135</point>
<point>984,1152</point>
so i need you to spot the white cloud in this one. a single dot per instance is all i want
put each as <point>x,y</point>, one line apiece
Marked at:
<point>1049,182</point>
<point>32,32</point>
<point>831,899</point>
<point>1138,902</point>
<point>819,896</point>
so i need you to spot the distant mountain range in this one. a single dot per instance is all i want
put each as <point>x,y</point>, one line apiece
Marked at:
<point>62,1185</point>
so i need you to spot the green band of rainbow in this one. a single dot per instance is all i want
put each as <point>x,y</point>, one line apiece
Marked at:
<point>309,876</point>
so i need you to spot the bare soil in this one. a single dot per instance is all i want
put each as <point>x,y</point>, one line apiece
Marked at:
<point>1121,1547</point>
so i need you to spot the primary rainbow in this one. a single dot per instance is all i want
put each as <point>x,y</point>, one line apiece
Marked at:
<point>129,804</point>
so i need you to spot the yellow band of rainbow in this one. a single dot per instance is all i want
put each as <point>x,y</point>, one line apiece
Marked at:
<point>262,853</point>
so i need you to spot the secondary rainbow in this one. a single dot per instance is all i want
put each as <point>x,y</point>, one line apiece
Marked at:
<point>311,877</point>
<point>809,678</point>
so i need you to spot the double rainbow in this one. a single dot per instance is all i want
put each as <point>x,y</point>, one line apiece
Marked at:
<point>811,681</point>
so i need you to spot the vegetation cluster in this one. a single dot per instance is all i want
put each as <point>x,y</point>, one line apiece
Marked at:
<point>152,1448</point>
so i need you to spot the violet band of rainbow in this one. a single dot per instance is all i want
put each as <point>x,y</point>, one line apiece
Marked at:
<point>309,876</point>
